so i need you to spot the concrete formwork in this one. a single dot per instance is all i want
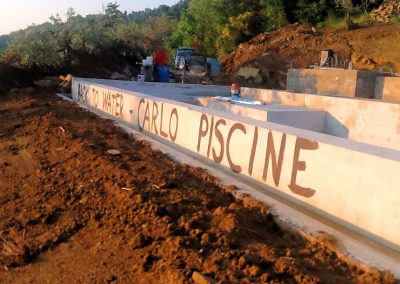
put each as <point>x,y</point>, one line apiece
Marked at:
<point>333,82</point>
<point>368,121</point>
<point>354,184</point>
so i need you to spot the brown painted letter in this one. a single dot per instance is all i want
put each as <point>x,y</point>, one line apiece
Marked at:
<point>220,139</point>
<point>253,151</point>
<point>271,154</point>
<point>142,101</point>
<point>301,144</point>
<point>154,116</point>
<point>163,134</point>
<point>174,113</point>
<point>202,133</point>
<point>236,126</point>
<point>210,138</point>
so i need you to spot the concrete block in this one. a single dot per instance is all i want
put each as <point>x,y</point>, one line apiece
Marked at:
<point>388,89</point>
<point>333,82</point>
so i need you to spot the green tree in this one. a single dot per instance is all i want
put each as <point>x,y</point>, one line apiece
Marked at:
<point>344,5</point>
<point>155,32</point>
<point>239,29</point>
<point>365,4</point>
<point>182,35</point>
<point>113,15</point>
<point>37,46</point>
<point>70,13</point>
<point>275,14</point>
<point>311,11</point>
<point>205,26</point>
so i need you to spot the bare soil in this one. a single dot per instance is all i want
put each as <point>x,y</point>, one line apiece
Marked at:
<point>71,212</point>
<point>300,45</point>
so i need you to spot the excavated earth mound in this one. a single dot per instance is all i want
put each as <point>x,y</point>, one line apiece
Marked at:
<point>386,11</point>
<point>269,55</point>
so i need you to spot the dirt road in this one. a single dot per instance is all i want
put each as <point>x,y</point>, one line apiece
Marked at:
<point>72,211</point>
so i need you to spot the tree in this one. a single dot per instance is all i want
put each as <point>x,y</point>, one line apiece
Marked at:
<point>239,29</point>
<point>275,14</point>
<point>113,15</point>
<point>310,11</point>
<point>182,35</point>
<point>38,47</point>
<point>205,26</point>
<point>345,5</point>
<point>365,4</point>
<point>155,32</point>
<point>70,13</point>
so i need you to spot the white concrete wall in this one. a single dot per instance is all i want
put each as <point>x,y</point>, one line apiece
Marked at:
<point>351,183</point>
<point>368,121</point>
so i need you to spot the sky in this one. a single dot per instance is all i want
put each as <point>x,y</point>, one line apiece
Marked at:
<point>19,14</point>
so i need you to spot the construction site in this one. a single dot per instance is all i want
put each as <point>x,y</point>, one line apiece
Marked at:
<point>174,183</point>
<point>271,155</point>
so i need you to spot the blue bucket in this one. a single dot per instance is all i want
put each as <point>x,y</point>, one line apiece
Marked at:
<point>163,73</point>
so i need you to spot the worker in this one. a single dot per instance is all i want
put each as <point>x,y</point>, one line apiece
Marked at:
<point>160,60</point>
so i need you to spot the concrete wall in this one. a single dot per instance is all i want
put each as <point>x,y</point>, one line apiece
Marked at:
<point>332,82</point>
<point>388,89</point>
<point>368,121</point>
<point>351,183</point>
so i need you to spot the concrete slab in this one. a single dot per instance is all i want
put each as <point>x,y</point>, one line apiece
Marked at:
<point>352,184</point>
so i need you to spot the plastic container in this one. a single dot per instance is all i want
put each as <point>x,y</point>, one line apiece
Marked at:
<point>149,60</point>
<point>163,73</point>
<point>235,91</point>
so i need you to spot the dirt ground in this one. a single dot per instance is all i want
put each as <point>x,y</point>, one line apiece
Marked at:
<point>299,46</point>
<point>71,212</point>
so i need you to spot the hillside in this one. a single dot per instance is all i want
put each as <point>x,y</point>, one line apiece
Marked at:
<point>299,46</point>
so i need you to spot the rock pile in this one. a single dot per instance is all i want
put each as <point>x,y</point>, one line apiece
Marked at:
<point>386,11</point>
<point>60,83</point>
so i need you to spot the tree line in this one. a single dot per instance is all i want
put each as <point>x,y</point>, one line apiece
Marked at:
<point>213,27</point>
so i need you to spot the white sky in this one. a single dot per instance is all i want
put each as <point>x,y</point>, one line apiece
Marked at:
<point>18,14</point>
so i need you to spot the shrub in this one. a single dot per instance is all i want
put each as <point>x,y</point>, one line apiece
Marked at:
<point>275,15</point>
<point>311,12</point>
